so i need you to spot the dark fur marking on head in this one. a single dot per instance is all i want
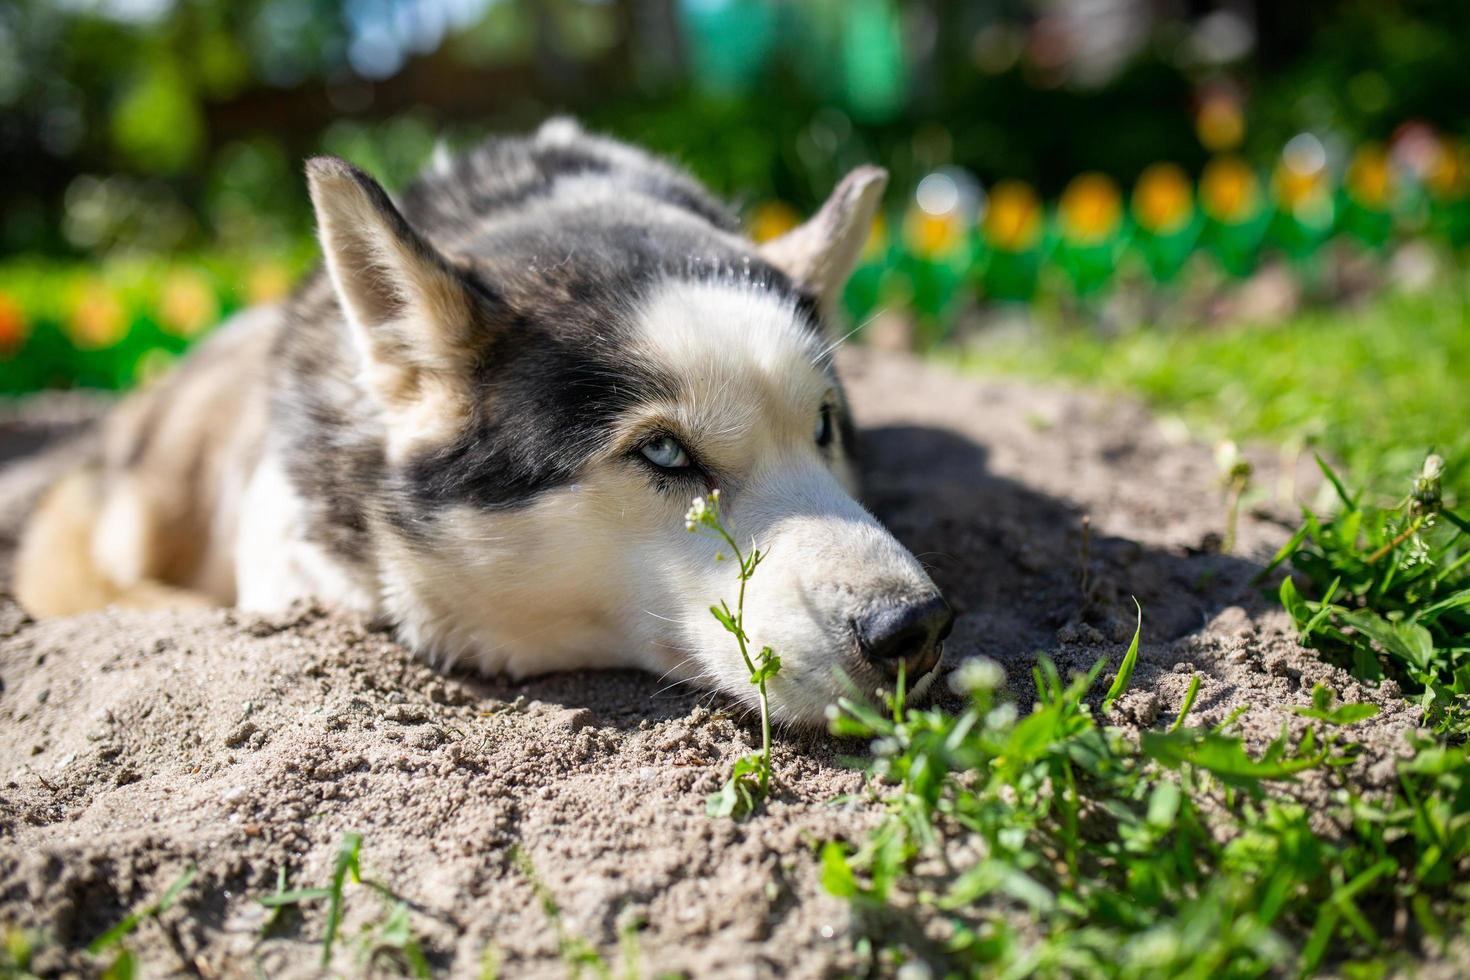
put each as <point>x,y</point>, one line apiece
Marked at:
<point>330,451</point>
<point>547,407</point>
<point>808,305</point>
<point>558,275</point>
<point>502,174</point>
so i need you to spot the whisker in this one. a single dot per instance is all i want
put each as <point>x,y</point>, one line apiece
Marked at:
<point>699,681</point>
<point>827,351</point>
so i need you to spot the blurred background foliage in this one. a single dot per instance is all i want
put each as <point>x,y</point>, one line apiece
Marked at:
<point>1093,189</point>
<point>158,125</point>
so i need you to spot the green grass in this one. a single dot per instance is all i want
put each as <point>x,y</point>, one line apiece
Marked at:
<point>18,947</point>
<point>1374,389</point>
<point>388,942</point>
<point>1386,594</point>
<point>124,964</point>
<point>1053,844</point>
<point>576,952</point>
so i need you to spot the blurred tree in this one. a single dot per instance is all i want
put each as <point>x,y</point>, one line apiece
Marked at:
<point>204,107</point>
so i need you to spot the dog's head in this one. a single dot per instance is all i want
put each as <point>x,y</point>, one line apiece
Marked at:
<point>554,391</point>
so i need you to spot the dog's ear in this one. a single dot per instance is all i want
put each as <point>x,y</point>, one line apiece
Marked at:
<point>411,312</point>
<point>820,254</point>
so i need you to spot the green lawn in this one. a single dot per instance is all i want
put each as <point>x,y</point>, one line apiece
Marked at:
<point>1179,852</point>
<point>1374,388</point>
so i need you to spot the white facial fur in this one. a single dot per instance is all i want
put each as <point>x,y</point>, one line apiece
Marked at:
<point>603,573</point>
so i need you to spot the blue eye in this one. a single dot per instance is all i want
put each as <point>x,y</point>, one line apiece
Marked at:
<point>666,452</point>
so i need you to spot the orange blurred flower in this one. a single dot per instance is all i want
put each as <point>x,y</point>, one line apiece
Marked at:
<point>187,304</point>
<point>1369,178</point>
<point>98,319</point>
<point>267,282</point>
<point>772,219</point>
<point>1449,177</point>
<point>1295,190</point>
<point>1163,199</point>
<point>1012,220</point>
<point>1229,190</point>
<point>1220,123</point>
<point>13,326</point>
<point>1091,209</point>
<point>931,235</point>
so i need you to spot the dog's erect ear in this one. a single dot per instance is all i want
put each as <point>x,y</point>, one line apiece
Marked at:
<point>412,313</point>
<point>820,254</point>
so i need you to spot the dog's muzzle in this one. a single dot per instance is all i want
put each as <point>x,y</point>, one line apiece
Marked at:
<point>910,633</point>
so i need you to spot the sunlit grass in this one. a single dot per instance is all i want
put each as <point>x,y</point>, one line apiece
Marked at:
<point>1052,843</point>
<point>1374,388</point>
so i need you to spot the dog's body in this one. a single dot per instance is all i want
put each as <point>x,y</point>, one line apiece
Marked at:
<point>483,421</point>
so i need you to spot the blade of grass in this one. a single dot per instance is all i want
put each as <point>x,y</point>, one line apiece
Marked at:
<point>1185,708</point>
<point>349,851</point>
<point>1323,611</point>
<point>294,897</point>
<point>1130,660</point>
<point>1281,555</point>
<point>1347,501</point>
<point>1456,520</point>
<point>126,927</point>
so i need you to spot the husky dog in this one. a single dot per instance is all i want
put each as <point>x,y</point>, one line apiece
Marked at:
<point>484,420</point>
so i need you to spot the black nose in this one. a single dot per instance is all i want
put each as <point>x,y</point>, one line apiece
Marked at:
<point>910,633</point>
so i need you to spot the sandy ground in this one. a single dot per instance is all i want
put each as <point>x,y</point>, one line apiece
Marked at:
<point>134,744</point>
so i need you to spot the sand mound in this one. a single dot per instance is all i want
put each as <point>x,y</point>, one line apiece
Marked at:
<point>132,744</point>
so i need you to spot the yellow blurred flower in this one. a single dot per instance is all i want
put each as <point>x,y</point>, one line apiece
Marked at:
<point>1369,178</point>
<point>1091,209</point>
<point>98,319</point>
<point>931,235</point>
<point>1229,190</point>
<point>1220,123</point>
<point>1295,190</point>
<point>772,219</point>
<point>1449,177</point>
<point>187,304</point>
<point>268,281</point>
<point>1012,220</point>
<point>154,364</point>
<point>13,326</point>
<point>1299,181</point>
<point>1163,198</point>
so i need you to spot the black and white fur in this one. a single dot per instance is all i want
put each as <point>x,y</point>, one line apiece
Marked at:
<point>454,427</point>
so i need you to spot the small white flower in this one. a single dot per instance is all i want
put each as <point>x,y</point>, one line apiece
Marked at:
<point>977,674</point>
<point>1001,717</point>
<point>885,746</point>
<point>1227,454</point>
<point>1427,497</point>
